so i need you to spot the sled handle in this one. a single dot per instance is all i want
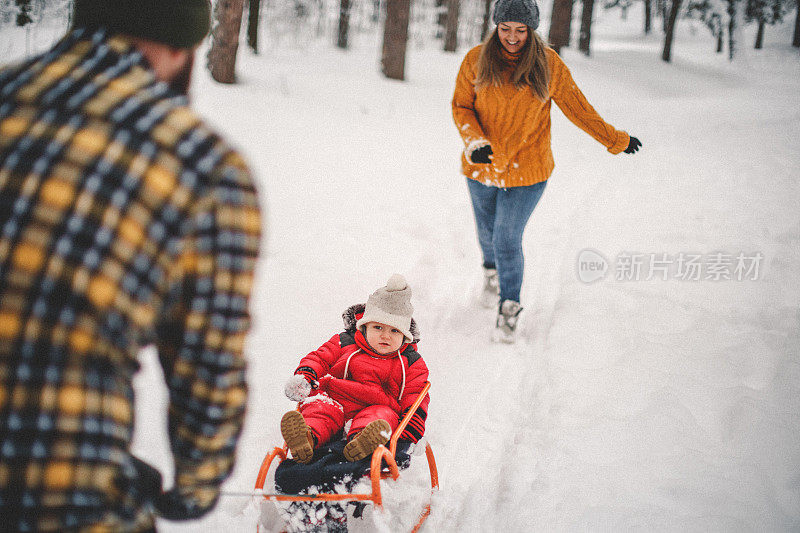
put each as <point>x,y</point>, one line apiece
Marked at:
<point>407,418</point>
<point>262,472</point>
<point>432,466</point>
<point>380,454</point>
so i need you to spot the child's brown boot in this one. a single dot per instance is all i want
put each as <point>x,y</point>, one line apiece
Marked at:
<point>297,436</point>
<point>375,433</point>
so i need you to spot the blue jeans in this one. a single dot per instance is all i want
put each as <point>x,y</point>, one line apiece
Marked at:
<point>501,216</point>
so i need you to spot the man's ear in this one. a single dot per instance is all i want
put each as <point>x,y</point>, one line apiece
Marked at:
<point>174,61</point>
<point>166,61</point>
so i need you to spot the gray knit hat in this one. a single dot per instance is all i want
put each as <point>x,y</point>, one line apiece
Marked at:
<point>391,305</point>
<point>177,23</point>
<point>522,11</point>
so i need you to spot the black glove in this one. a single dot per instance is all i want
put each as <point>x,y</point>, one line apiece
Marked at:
<point>480,156</point>
<point>633,145</point>
<point>401,454</point>
<point>171,505</point>
<point>146,482</point>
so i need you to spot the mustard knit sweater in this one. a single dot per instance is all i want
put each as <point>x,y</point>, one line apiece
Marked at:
<point>517,124</point>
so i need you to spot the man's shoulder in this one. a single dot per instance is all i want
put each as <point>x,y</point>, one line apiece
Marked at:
<point>184,134</point>
<point>8,71</point>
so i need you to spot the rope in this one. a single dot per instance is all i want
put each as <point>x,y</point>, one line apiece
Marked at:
<point>242,493</point>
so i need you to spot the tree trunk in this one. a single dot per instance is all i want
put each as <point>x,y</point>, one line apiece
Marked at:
<point>673,17</point>
<point>796,39</point>
<point>441,17</point>
<point>720,37</point>
<point>252,24</point>
<point>344,23</point>
<point>586,27</point>
<point>24,13</point>
<point>760,34</point>
<point>648,16</point>
<point>560,22</point>
<point>451,26</point>
<point>487,17</point>
<point>225,40</point>
<point>664,16</point>
<point>395,37</point>
<point>731,29</point>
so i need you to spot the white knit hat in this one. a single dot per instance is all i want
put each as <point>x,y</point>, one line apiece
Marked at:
<point>391,305</point>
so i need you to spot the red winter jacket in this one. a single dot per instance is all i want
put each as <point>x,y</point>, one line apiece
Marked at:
<point>351,373</point>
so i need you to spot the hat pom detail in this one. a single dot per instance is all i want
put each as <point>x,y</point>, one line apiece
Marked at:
<point>396,283</point>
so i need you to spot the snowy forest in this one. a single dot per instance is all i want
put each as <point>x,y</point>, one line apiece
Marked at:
<point>448,21</point>
<point>658,393</point>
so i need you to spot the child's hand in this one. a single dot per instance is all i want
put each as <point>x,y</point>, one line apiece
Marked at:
<point>297,388</point>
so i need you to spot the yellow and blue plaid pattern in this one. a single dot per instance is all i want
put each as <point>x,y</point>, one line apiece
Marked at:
<point>124,222</point>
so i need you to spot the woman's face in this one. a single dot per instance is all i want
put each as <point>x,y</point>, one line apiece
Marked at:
<point>513,36</point>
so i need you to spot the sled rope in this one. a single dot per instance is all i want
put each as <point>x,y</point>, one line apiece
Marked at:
<point>242,493</point>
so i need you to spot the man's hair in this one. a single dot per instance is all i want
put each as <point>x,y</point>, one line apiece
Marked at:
<point>176,23</point>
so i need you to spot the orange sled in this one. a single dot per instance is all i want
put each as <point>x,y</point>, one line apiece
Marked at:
<point>376,473</point>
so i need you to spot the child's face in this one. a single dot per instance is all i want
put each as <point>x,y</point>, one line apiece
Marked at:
<point>384,339</point>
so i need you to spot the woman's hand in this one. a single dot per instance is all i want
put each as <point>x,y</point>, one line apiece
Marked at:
<point>633,145</point>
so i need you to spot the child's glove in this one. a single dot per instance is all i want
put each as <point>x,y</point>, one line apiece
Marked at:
<point>297,388</point>
<point>402,454</point>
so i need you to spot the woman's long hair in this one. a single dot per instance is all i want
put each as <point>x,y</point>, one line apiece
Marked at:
<point>532,69</point>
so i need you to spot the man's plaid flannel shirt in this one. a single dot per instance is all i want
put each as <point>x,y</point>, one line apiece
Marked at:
<point>124,222</point>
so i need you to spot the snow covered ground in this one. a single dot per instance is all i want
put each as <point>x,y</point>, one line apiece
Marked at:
<point>662,404</point>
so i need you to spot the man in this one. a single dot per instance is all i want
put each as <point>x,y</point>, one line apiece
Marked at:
<point>124,222</point>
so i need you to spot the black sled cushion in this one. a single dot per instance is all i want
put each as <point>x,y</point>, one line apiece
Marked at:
<point>328,468</point>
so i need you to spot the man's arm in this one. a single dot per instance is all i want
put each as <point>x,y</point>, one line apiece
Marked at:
<point>201,344</point>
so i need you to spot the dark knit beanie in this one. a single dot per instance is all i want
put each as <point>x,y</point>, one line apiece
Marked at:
<point>177,23</point>
<point>521,11</point>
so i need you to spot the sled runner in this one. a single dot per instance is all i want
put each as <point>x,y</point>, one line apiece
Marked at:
<point>382,465</point>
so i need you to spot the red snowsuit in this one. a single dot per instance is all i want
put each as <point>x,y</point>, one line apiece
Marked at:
<point>358,384</point>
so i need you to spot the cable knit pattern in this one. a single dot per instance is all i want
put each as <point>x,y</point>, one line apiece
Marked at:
<point>517,124</point>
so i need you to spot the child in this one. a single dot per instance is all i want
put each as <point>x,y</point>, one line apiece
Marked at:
<point>370,375</point>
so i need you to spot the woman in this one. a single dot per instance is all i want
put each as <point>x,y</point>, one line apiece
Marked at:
<point>501,107</point>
